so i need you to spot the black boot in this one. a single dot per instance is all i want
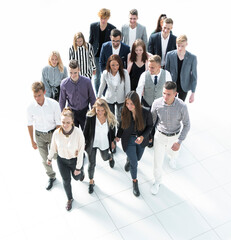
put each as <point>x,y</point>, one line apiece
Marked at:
<point>136,190</point>
<point>127,165</point>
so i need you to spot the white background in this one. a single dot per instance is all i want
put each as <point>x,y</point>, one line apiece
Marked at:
<point>30,30</point>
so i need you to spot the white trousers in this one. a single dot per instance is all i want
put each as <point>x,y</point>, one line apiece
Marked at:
<point>162,146</point>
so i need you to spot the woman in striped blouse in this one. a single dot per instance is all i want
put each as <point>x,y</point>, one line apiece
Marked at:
<point>84,54</point>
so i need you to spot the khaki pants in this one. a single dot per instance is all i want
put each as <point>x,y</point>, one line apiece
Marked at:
<point>43,142</point>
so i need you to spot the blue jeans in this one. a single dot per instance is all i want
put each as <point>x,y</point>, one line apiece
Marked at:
<point>97,76</point>
<point>134,152</point>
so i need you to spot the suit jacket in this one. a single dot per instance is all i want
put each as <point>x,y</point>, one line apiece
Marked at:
<point>125,134</point>
<point>188,74</point>
<point>154,44</point>
<point>89,133</point>
<point>140,33</point>
<point>94,35</point>
<point>106,52</point>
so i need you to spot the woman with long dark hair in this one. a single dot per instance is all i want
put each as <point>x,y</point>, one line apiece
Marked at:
<point>117,80</point>
<point>135,126</point>
<point>137,62</point>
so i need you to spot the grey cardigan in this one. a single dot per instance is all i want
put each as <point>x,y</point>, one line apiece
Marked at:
<point>114,93</point>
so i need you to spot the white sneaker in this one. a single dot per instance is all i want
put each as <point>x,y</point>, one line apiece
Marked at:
<point>172,163</point>
<point>155,188</point>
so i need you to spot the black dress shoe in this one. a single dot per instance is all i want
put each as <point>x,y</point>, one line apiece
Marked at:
<point>150,144</point>
<point>50,183</point>
<point>112,163</point>
<point>136,190</point>
<point>82,177</point>
<point>91,188</point>
<point>69,205</point>
<point>127,165</point>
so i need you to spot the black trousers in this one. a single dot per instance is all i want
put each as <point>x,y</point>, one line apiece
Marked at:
<point>67,168</point>
<point>92,160</point>
<point>182,95</point>
<point>152,133</point>
<point>80,117</point>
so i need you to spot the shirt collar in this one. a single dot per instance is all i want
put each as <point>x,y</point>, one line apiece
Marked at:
<point>44,104</point>
<point>165,104</point>
<point>166,38</point>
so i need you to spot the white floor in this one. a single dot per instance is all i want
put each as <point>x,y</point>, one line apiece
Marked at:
<point>194,201</point>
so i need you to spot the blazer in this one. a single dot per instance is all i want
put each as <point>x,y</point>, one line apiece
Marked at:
<point>154,44</point>
<point>94,35</point>
<point>188,74</point>
<point>106,52</point>
<point>89,133</point>
<point>140,33</point>
<point>125,134</point>
<point>114,93</point>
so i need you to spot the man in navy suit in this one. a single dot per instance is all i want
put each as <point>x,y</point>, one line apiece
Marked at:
<point>182,66</point>
<point>162,42</point>
<point>99,34</point>
<point>115,46</point>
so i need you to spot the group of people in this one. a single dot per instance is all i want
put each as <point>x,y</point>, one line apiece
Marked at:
<point>138,96</point>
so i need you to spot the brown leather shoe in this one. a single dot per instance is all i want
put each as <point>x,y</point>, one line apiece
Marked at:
<point>69,204</point>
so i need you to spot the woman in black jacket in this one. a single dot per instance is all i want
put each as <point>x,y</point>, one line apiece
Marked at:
<point>136,124</point>
<point>99,133</point>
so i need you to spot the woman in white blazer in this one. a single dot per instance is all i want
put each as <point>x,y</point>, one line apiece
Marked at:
<point>117,81</point>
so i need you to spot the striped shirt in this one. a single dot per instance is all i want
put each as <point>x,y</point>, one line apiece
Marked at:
<point>171,116</point>
<point>85,58</point>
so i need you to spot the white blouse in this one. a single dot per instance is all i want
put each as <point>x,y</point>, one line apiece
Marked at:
<point>101,138</point>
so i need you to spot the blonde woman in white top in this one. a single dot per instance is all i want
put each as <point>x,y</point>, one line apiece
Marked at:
<point>118,84</point>
<point>68,141</point>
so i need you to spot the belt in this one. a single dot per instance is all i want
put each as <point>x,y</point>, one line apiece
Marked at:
<point>169,134</point>
<point>51,131</point>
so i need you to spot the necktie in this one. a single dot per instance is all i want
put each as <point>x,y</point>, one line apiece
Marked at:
<point>155,80</point>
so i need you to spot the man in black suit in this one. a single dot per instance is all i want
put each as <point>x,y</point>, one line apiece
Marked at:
<point>99,34</point>
<point>162,42</point>
<point>115,46</point>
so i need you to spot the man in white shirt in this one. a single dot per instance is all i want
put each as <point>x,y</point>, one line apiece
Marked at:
<point>150,85</point>
<point>134,30</point>
<point>44,116</point>
<point>162,42</point>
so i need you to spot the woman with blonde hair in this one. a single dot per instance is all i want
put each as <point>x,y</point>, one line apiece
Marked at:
<point>134,130</point>
<point>99,132</point>
<point>83,52</point>
<point>68,142</point>
<point>53,74</point>
<point>137,62</point>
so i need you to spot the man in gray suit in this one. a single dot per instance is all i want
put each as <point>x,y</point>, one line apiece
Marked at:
<point>134,30</point>
<point>182,66</point>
